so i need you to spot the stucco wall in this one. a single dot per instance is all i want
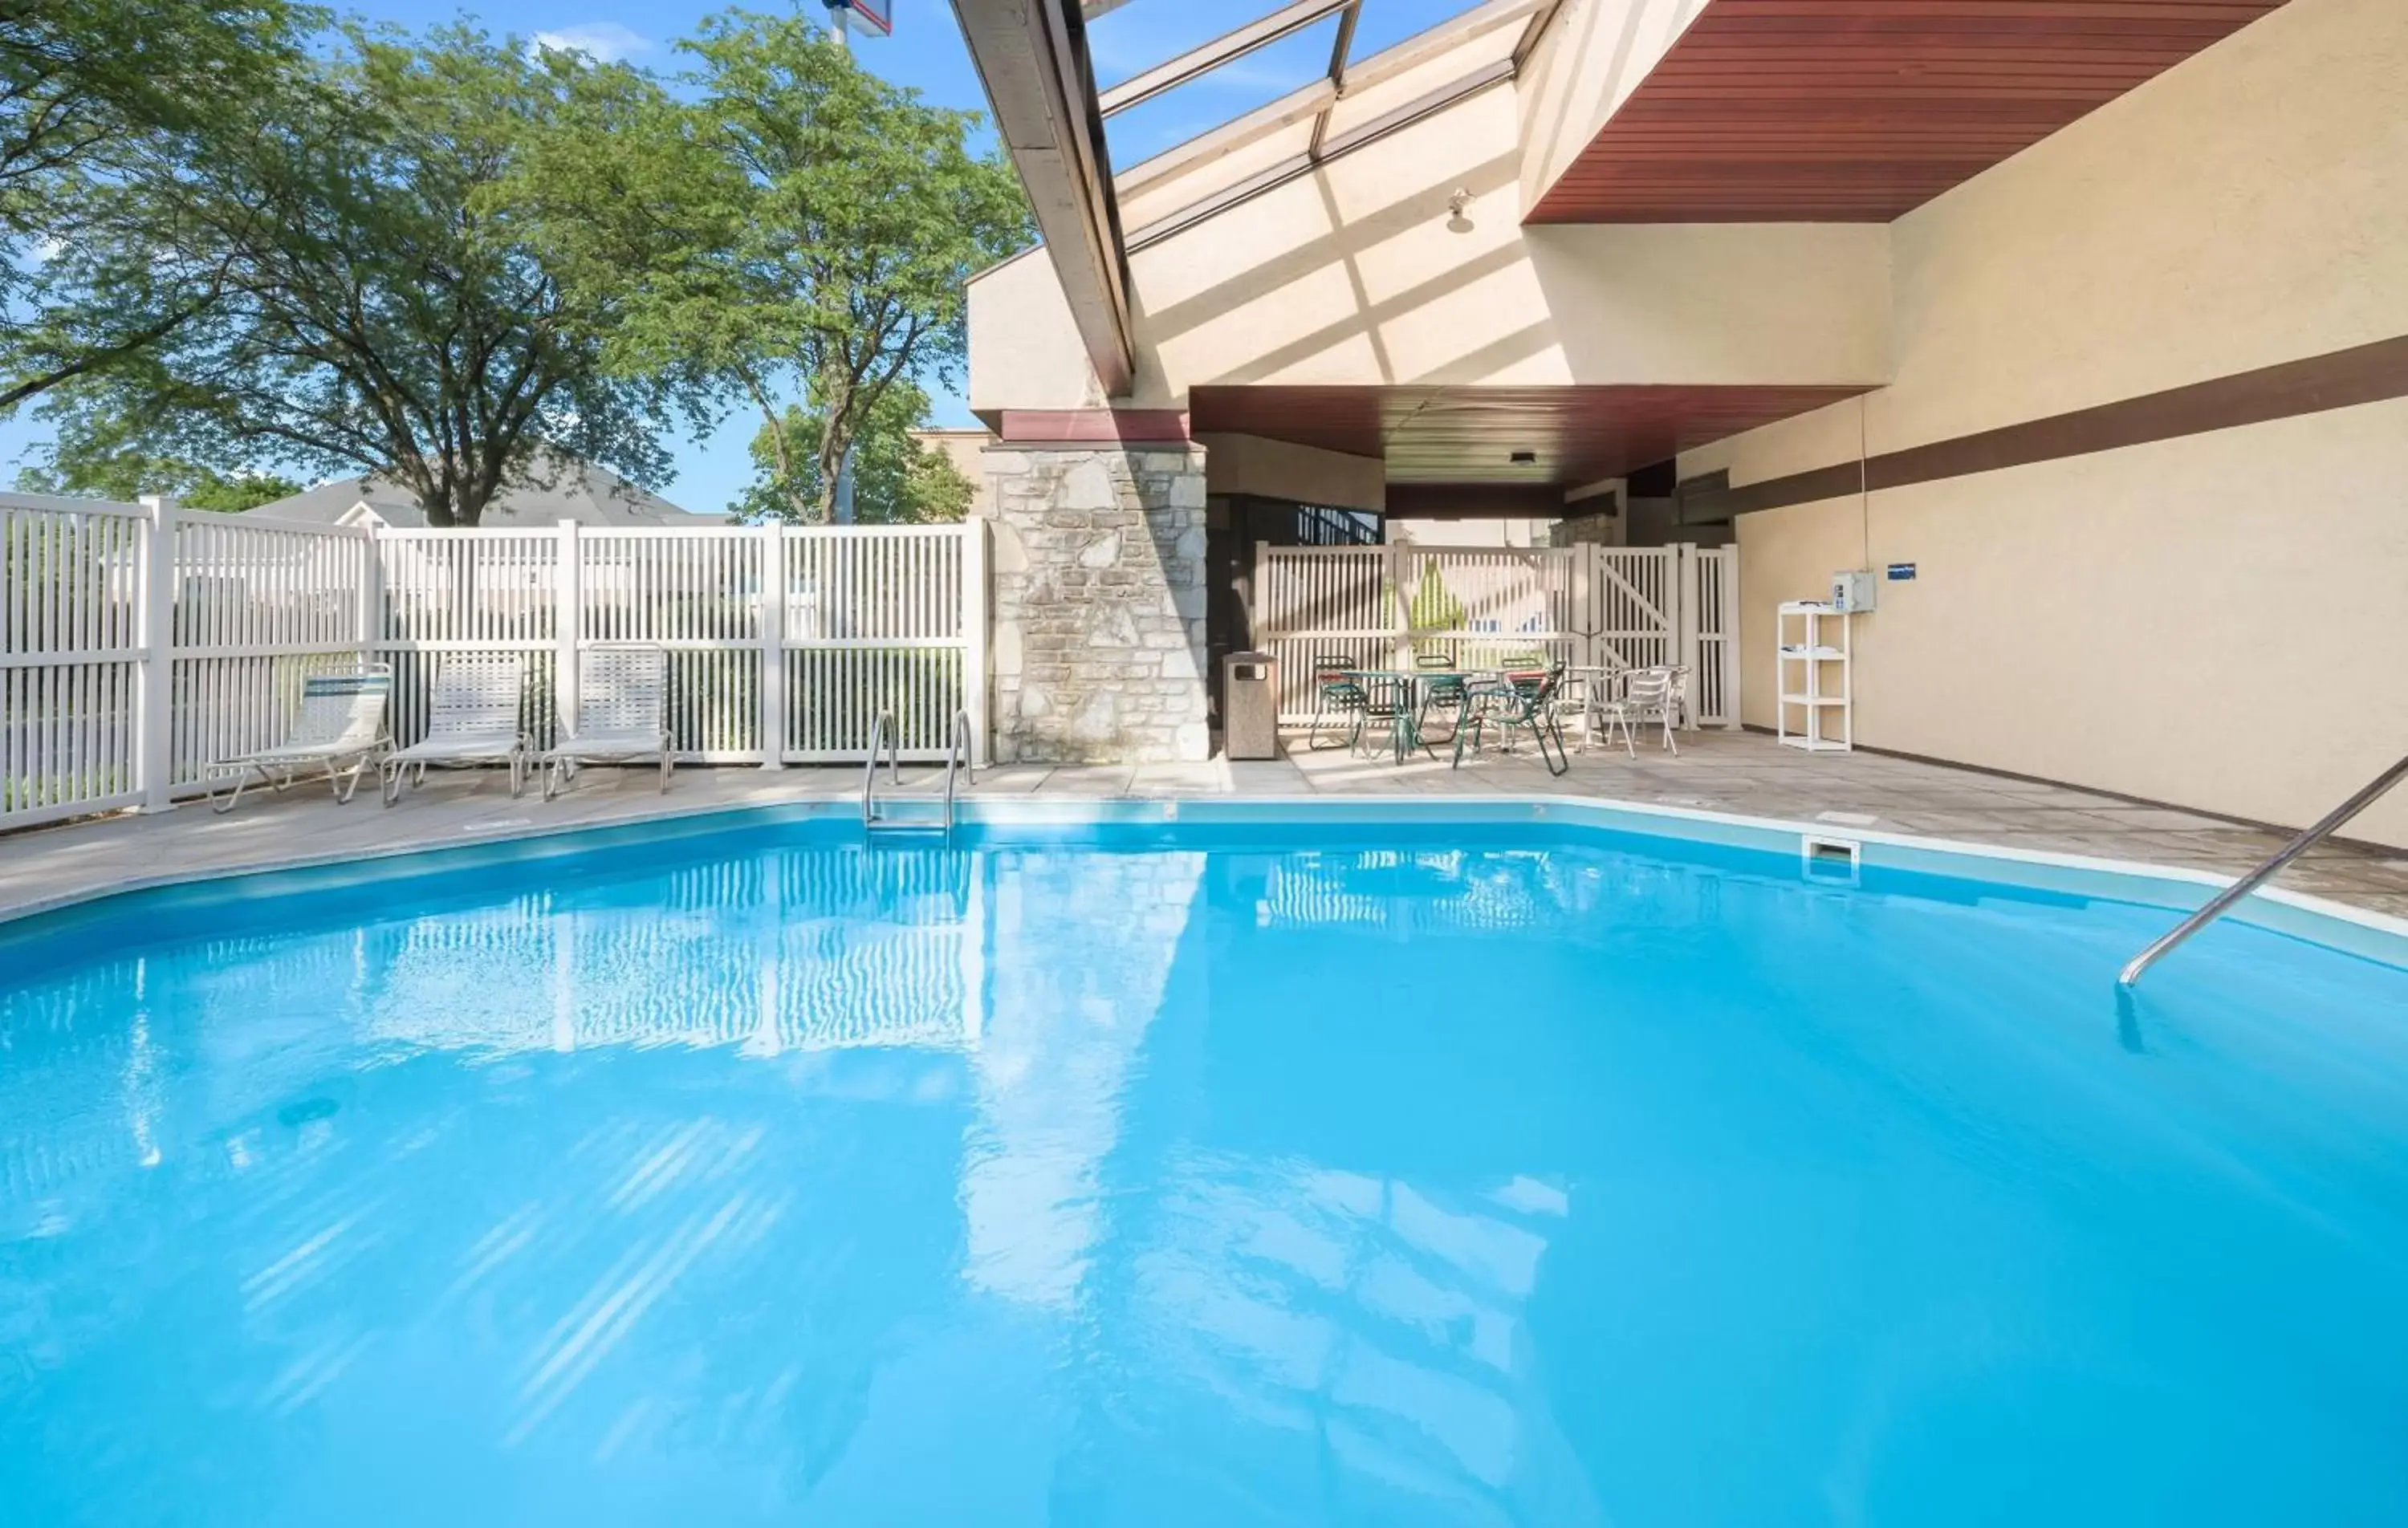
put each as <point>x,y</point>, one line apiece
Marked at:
<point>1276,469</point>
<point>2218,619</point>
<point>2161,621</point>
<point>1361,274</point>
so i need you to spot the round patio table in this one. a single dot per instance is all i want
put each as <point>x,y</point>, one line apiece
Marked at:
<point>1405,686</point>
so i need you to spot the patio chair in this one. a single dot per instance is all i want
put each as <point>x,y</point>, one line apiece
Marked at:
<point>623,703</point>
<point>1648,694</point>
<point>1524,701</point>
<point>342,722</point>
<point>1338,696</point>
<point>472,718</point>
<point>1443,692</point>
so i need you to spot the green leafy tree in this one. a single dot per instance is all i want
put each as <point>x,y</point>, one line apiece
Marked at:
<point>794,224</point>
<point>127,476</point>
<point>102,103</point>
<point>896,480</point>
<point>101,457</point>
<point>383,310</point>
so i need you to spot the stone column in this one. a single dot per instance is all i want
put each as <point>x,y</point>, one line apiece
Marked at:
<point>1099,645</point>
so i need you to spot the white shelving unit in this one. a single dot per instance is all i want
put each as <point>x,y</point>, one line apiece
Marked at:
<point>1816,678</point>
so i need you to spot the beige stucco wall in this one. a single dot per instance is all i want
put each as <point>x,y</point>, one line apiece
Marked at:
<point>967,450</point>
<point>2220,620</point>
<point>1360,274</point>
<point>2163,622</point>
<point>1276,469</point>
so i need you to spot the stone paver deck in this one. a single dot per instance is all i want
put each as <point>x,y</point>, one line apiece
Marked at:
<point>1733,772</point>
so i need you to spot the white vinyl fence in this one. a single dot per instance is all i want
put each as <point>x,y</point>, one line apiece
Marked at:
<point>1608,606</point>
<point>139,644</point>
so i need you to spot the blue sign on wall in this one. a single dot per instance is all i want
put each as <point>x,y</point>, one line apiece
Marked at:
<point>1900,572</point>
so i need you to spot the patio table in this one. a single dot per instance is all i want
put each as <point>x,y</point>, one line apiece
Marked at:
<point>1405,685</point>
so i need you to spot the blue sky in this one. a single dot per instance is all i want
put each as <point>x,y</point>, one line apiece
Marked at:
<point>926,53</point>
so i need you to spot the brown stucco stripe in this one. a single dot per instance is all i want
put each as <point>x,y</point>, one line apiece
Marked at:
<point>2338,380</point>
<point>1092,427</point>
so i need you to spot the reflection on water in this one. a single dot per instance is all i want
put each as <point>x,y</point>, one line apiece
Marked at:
<point>1381,1321</point>
<point>1420,1184</point>
<point>1093,939</point>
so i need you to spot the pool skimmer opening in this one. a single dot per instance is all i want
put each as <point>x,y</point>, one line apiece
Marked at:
<point>1835,860</point>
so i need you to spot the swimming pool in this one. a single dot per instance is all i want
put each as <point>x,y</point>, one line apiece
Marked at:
<point>1509,1168</point>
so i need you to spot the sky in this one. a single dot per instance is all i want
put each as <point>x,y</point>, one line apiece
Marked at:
<point>925,54</point>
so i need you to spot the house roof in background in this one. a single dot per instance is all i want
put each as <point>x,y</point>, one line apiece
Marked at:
<point>559,488</point>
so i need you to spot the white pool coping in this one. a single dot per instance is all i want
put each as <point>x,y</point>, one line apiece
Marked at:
<point>2321,921</point>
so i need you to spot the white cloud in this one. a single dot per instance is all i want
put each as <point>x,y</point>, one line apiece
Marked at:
<point>607,41</point>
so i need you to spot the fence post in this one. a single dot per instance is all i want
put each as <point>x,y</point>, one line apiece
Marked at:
<point>1258,623</point>
<point>154,757</point>
<point>772,537</point>
<point>1686,580</point>
<point>1726,621</point>
<point>1401,649</point>
<point>371,628</point>
<point>567,623</point>
<point>1583,624</point>
<point>976,636</point>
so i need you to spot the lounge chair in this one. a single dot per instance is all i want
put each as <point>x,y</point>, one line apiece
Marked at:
<point>623,703</point>
<point>342,722</point>
<point>473,718</point>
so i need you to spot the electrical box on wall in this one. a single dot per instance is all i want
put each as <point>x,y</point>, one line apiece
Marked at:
<point>1852,591</point>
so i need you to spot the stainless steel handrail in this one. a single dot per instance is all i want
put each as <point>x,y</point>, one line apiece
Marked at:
<point>956,754</point>
<point>877,737</point>
<point>2324,828</point>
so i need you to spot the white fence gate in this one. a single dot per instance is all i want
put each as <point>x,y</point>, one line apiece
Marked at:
<point>1614,607</point>
<point>139,644</point>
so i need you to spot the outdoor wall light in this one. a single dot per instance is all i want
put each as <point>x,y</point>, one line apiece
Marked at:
<point>1456,201</point>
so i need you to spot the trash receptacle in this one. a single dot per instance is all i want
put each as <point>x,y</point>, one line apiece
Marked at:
<point>1249,706</point>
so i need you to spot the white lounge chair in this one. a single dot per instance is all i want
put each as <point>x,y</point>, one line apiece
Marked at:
<point>342,722</point>
<point>623,703</point>
<point>472,718</point>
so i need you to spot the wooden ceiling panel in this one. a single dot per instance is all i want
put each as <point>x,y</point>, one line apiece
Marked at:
<point>1862,111</point>
<point>1469,434</point>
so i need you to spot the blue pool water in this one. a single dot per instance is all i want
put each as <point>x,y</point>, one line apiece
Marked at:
<point>1438,1177</point>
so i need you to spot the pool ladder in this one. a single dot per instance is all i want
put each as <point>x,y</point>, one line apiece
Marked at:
<point>2324,828</point>
<point>904,811</point>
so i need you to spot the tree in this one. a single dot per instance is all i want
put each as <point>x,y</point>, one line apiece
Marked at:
<point>797,223</point>
<point>382,310</point>
<point>101,100</point>
<point>128,475</point>
<point>896,480</point>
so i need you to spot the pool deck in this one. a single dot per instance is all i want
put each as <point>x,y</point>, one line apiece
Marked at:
<point>1739,773</point>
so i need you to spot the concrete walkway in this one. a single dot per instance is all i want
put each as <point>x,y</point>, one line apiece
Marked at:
<point>1733,772</point>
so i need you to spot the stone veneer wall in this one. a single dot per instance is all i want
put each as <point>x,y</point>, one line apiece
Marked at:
<point>1100,645</point>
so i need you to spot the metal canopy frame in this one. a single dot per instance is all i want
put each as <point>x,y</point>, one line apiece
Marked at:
<point>1032,57</point>
<point>1224,50</point>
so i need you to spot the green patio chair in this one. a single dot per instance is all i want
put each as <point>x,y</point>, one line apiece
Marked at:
<point>1524,701</point>
<point>1442,695</point>
<point>1339,698</point>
